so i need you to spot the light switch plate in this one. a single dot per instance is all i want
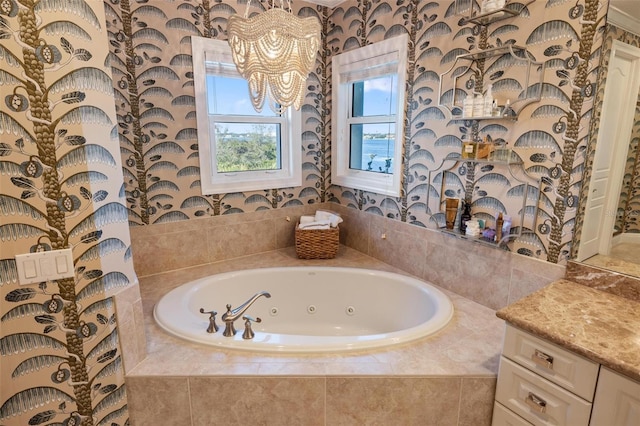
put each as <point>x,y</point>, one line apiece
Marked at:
<point>44,265</point>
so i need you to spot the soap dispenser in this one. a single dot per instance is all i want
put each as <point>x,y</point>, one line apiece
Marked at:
<point>465,216</point>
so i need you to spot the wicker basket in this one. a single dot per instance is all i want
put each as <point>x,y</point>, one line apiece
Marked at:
<point>317,243</point>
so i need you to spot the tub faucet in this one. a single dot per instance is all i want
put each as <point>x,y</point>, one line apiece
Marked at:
<point>213,327</point>
<point>248,331</point>
<point>233,314</point>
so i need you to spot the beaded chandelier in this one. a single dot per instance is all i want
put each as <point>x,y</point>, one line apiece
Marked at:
<point>274,51</point>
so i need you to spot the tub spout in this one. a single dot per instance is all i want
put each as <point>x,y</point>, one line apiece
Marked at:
<point>233,314</point>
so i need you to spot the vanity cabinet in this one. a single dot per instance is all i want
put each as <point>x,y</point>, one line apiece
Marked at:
<point>540,383</point>
<point>544,384</point>
<point>617,400</point>
<point>569,371</point>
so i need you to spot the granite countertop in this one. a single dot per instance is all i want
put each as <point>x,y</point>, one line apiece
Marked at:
<point>597,325</point>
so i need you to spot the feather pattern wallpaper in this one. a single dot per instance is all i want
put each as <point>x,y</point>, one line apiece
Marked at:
<point>61,188</point>
<point>155,102</point>
<point>549,137</point>
<point>98,134</point>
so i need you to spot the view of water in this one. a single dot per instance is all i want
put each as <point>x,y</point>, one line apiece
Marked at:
<point>382,148</point>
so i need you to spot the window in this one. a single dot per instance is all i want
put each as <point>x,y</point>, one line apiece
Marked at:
<point>368,116</point>
<point>240,149</point>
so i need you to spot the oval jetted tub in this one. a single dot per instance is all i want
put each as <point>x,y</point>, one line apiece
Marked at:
<point>311,309</point>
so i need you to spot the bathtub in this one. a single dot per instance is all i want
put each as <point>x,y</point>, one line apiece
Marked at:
<point>311,309</point>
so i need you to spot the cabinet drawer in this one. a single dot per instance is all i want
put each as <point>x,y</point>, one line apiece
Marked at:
<point>538,400</point>
<point>573,372</point>
<point>504,417</point>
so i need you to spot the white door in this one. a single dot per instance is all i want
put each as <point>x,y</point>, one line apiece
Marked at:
<point>616,121</point>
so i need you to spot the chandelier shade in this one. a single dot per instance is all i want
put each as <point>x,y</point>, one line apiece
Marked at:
<point>274,51</point>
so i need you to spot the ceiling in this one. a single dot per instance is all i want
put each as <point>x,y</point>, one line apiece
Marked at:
<point>625,14</point>
<point>630,7</point>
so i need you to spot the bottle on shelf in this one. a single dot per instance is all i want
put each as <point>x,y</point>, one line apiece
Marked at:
<point>506,226</point>
<point>488,102</point>
<point>469,149</point>
<point>485,148</point>
<point>501,152</point>
<point>499,222</point>
<point>456,224</point>
<point>478,105</point>
<point>473,228</point>
<point>465,216</point>
<point>508,111</point>
<point>488,6</point>
<point>467,106</point>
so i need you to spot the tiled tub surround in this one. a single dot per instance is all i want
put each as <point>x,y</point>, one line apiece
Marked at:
<point>597,325</point>
<point>444,379</point>
<point>131,334</point>
<point>491,277</point>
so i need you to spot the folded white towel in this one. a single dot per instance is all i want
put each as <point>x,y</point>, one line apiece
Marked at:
<point>333,218</point>
<point>318,224</point>
<point>308,227</point>
<point>307,219</point>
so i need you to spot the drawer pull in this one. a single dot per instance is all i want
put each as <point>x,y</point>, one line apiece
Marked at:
<point>542,359</point>
<point>536,403</point>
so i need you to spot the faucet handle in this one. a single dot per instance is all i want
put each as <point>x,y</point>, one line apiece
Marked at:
<point>248,332</point>
<point>213,327</point>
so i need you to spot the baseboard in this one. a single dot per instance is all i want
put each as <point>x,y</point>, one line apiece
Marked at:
<point>627,237</point>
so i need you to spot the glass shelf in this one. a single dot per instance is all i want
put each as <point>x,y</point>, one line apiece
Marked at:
<point>515,166</point>
<point>491,17</point>
<point>510,10</point>
<point>480,240</point>
<point>516,51</point>
<point>506,159</point>
<point>459,81</point>
<point>488,117</point>
<point>511,161</point>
